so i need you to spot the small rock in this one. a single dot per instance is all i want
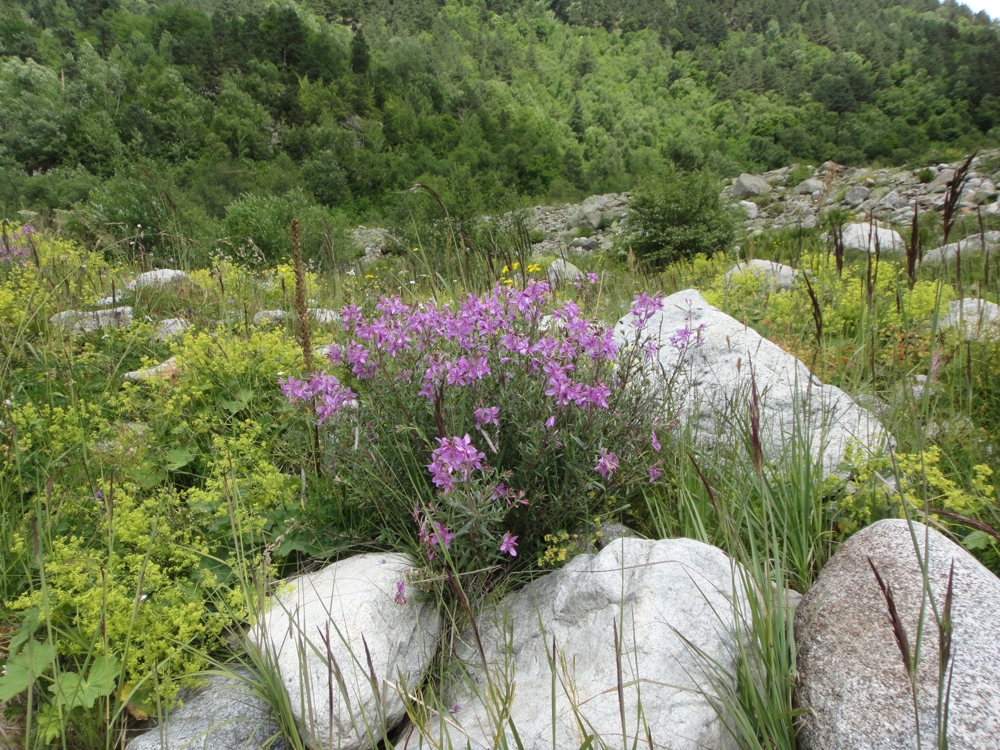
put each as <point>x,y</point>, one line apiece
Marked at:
<point>562,272</point>
<point>317,314</point>
<point>750,208</point>
<point>940,183</point>
<point>323,316</point>
<point>166,369</point>
<point>584,243</point>
<point>224,714</point>
<point>159,277</point>
<point>269,317</point>
<point>775,275</point>
<point>85,322</point>
<point>810,186</point>
<point>851,681</point>
<point>749,186</point>
<point>892,200</point>
<point>171,328</point>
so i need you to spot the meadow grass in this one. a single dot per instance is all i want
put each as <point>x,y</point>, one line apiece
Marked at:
<point>124,509</point>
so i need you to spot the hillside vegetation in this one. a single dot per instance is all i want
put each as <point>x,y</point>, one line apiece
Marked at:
<point>145,122</point>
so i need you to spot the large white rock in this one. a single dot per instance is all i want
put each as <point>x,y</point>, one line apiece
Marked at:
<point>774,274</point>
<point>657,593</point>
<point>86,321</point>
<point>750,208</point>
<point>159,277</point>
<point>350,604</point>
<point>976,319</point>
<point>864,237</point>
<point>562,272</point>
<point>748,186</point>
<point>710,357</point>
<point>224,714</point>
<point>171,328</point>
<point>851,676</point>
<point>972,244</point>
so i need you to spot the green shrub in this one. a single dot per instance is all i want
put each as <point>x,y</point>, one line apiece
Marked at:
<point>677,216</point>
<point>261,226</point>
<point>925,175</point>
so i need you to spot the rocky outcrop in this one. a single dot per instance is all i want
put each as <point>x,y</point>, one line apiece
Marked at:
<point>79,321</point>
<point>344,639</point>
<point>668,600</point>
<point>852,683</point>
<point>224,714</point>
<point>775,275</point>
<point>715,363</point>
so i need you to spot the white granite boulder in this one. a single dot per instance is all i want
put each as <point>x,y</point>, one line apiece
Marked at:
<point>988,241</point>
<point>319,628</point>
<point>87,321</point>
<point>866,238</point>
<point>657,594</point>
<point>709,358</point>
<point>976,319</point>
<point>749,186</point>
<point>749,208</point>
<point>852,682</point>
<point>775,275</point>
<point>157,278</point>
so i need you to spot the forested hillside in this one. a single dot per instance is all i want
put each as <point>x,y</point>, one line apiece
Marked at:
<point>196,117</point>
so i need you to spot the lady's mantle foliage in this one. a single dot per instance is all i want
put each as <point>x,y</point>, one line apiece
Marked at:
<point>502,402</point>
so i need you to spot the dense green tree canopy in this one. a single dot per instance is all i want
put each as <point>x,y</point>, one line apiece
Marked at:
<point>352,101</point>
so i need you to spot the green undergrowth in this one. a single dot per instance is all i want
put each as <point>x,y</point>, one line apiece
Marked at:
<point>141,523</point>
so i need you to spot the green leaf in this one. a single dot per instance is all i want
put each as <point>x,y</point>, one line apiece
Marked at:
<point>72,691</point>
<point>21,670</point>
<point>178,458</point>
<point>148,475</point>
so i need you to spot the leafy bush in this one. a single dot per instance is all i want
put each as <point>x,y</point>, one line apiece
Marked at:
<point>264,224</point>
<point>925,175</point>
<point>677,216</point>
<point>564,428</point>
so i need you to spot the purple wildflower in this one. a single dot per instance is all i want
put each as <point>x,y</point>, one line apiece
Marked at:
<point>654,474</point>
<point>486,415</point>
<point>655,442</point>
<point>509,544</point>
<point>400,597</point>
<point>441,535</point>
<point>644,307</point>
<point>454,457</point>
<point>606,464</point>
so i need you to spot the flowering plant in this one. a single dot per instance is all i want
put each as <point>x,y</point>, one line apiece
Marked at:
<point>476,427</point>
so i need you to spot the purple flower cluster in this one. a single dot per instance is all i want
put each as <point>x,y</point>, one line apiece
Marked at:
<point>454,458</point>
<point>12,245</point>
<point>331,395</point>
<point>645,307</point>
<point>488,336</point>
<point>687,337</point>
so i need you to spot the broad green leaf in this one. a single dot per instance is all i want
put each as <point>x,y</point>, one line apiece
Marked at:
<point>21,670</point>
<point>179,457</point>
<point>72,691</point>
